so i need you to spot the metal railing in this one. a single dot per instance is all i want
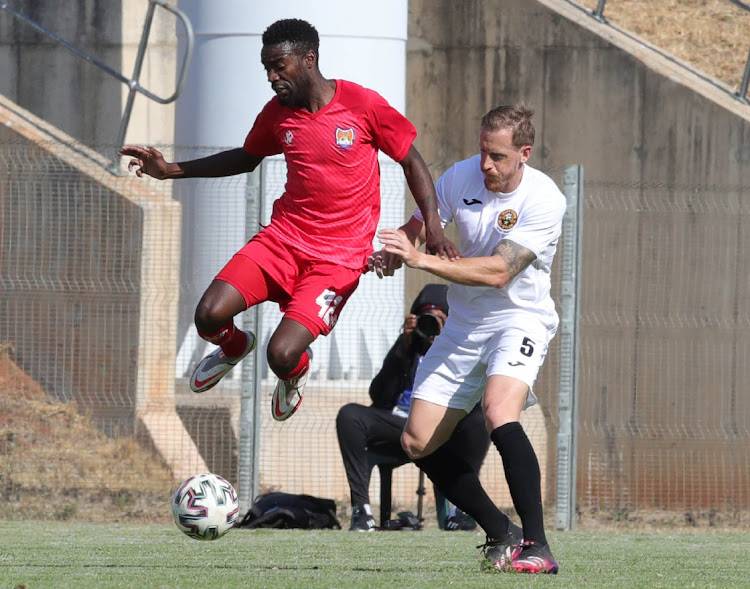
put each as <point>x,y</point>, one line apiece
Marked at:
<point>740,95</point>
<point>133,82</point>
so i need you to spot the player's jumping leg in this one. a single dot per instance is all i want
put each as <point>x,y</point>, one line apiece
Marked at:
<point>214,321</point>
<point>289,356</point>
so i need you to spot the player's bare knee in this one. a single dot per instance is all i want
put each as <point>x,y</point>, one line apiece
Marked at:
<point>494,418</point>
<point>282,359</point>
<point>207,319</point>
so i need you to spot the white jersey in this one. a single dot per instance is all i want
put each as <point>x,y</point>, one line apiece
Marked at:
<point>530,216</point>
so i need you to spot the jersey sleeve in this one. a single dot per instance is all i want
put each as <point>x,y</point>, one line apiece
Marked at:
<point>393,132</point>
<point>261,140</point>
<point>539,225</point>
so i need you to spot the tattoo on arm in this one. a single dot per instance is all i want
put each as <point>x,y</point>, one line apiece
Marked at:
<point>516,256</point>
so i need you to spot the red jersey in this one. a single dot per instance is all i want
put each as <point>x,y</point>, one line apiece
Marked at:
<point>331,204</point>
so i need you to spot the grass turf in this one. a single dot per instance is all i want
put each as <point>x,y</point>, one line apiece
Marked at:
<point>51,554</point>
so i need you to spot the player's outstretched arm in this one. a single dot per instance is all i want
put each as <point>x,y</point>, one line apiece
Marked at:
<point>384,263</point>
<point>423,189</point>
<point>150,161</point>
<point>507,261</point>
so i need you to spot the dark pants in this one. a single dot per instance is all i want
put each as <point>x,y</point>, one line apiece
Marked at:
<point>360,427</point>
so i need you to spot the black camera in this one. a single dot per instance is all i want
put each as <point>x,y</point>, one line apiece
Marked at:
<point>428,325</point>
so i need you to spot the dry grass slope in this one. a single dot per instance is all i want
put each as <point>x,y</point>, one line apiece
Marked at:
<point>711,36</point>
<point>55,464</point>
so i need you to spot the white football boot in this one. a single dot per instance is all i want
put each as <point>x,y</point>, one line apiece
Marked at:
<point>214,366</point>
<point>287,396</point>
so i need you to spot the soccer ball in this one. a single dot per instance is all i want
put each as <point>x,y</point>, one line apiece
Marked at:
<point>205,506</point>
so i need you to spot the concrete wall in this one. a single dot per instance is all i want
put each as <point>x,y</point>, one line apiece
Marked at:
<point>602,100</point>
<point>89,272</point>
<point>72,93</point>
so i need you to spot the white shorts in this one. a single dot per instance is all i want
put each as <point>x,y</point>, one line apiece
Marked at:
<point>454,371</point>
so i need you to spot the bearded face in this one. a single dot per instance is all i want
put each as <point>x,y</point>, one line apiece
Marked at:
<point>501,162</point>
<point>288,72</point>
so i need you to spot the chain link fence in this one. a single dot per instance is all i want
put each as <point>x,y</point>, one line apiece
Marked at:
<point>664,405</point>
<point>98,278</point>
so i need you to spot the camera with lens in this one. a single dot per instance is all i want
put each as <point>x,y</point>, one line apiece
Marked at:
<point>428,325</point>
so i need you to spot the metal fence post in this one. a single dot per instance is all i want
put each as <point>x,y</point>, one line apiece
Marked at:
<point>248,477</point>
<point>133,84</point>
<point>742,94</point>
<point>598,14</point>
<point>569,336</point>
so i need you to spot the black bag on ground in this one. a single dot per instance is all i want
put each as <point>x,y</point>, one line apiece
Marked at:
<point>286,511</point>
<point>406,521</point>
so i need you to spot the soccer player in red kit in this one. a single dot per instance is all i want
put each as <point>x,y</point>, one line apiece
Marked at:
<point>310,257</point>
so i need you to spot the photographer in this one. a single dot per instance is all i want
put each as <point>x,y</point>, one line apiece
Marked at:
<point>360,427</point>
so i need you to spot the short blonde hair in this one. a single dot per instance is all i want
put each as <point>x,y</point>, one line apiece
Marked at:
<point>512,116</point>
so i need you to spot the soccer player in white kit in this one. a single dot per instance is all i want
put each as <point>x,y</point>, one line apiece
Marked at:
<point>509,217</point>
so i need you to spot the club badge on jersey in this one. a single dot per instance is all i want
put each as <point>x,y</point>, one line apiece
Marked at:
<point>507,219</point>
<point>345,137</point>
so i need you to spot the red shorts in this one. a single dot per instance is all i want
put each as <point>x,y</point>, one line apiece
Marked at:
<point>309,291</point>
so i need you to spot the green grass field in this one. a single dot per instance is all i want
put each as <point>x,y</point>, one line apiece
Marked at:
<point>46,554</point>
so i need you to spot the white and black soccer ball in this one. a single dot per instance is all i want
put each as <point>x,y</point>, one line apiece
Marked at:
<point>205,506</point>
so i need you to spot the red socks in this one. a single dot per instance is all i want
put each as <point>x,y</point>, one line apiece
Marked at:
<point>302,366</point>
<point>232,341</point>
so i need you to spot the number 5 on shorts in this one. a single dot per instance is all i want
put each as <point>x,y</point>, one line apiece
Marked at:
<point>527,347</point>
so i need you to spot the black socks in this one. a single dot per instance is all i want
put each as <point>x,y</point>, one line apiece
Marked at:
<point>523,477</point>
<point>458,481</point>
